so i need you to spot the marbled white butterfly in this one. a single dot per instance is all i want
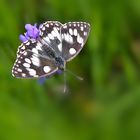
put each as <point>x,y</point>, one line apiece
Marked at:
<point>55,45</point>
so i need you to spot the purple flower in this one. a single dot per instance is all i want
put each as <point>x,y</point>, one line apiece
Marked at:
<point>32,33</point>
<point>59,71</point>
<point>42,80</point>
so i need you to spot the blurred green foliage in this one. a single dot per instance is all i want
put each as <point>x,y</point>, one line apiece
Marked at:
<point>106,105</point>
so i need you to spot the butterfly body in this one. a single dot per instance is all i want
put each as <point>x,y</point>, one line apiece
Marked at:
<point>58,59</point>
<point>56,45</point>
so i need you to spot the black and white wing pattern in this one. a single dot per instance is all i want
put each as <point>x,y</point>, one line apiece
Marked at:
<point>49,33</point>
<point>34,60</point>
<point>74,36</point>
<point>56,44</point>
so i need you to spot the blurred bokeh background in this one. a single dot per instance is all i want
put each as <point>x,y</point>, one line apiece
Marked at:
<point>106,105</point>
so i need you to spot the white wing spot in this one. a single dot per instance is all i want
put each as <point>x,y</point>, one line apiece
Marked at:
<point>62,36</point>
<point>47,25</point>
<point>43,28</point>
<point>72,51</point>
<point>28,43</point>
<point>35,60</point>
<point>53,33</point>
<point>46,69</point>
<point>82,28</point>
<point>47,39</point>
<point>68,38</point>
<point>23,74</point>
<point>60,47</point>
<point>85,33</point>
<point>36,76</point>
<point>28,60</point>
<point>23,48</point>
<point>27,65</point>
<point>50,36</point>
<point>70,31</point>
<point>32,72</point>
<point>79,39</point>
<point>65,26</point>
<point>39,45</point>
<point>35,50</point>
<point>36,63</point>
<point>25,53</point>
<point>74,24</point>
<point>19,70</point>
<point>33,40</point>
<point>75,32</point>
<point>57,33</point>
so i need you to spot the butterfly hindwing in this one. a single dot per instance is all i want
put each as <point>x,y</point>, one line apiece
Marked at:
<point>30,65</point>
<point>49,33</point>
<point>74,36</point>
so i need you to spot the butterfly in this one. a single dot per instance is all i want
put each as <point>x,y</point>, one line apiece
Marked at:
<point>56,44</point>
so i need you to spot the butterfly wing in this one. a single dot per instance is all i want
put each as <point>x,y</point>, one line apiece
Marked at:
<point>34,60</point>
<point>49,33</point>
<point>31,45</point>
<point>74,36</point>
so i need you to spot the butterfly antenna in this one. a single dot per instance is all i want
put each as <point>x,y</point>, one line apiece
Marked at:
<point>76,76</point>
<point>65,83</point>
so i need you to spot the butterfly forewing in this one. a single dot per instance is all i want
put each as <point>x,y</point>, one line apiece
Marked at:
<point>49,33</point>
<point>30,44</point>
<point>74,36</point>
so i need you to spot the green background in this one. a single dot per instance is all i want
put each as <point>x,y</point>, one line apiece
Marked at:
<point>106,105</point>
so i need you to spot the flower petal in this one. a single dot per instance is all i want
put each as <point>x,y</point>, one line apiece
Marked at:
<point>42,80</point>
<point>35,33</point>
<point>29,27</point>
<point>32,32</point>
<point>23,38</point>
<point>59,71</point>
